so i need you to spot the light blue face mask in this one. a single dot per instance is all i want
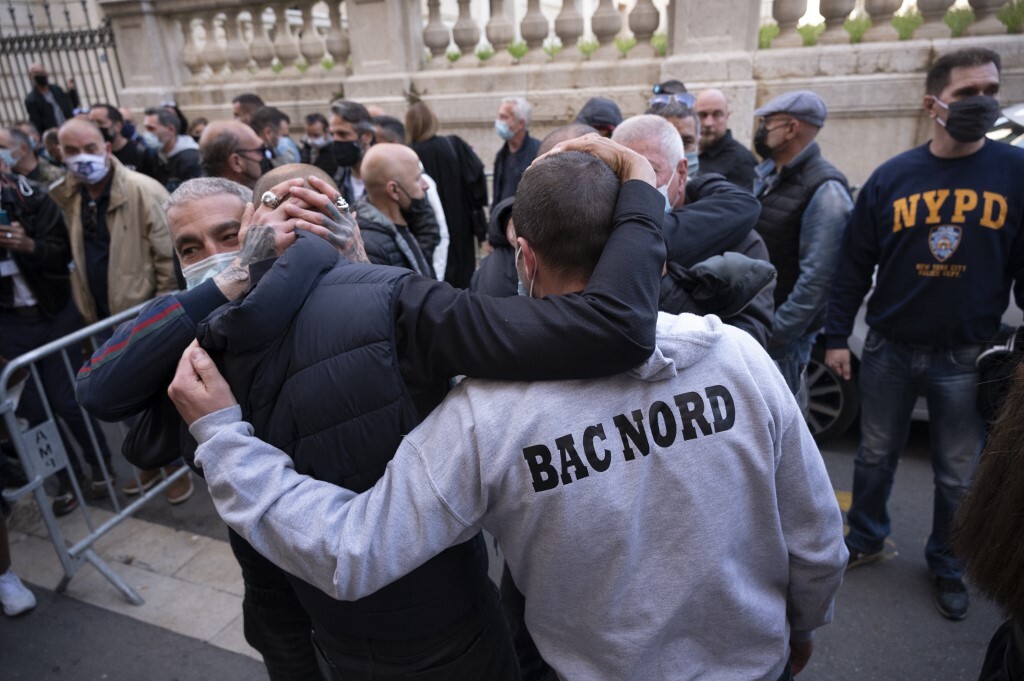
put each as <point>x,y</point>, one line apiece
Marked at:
<point>196,273</point>
<point>7,158</point>
<point>663,190</point>
<point>693,163</point>
<point>503,131</point>
<point>520,288</point>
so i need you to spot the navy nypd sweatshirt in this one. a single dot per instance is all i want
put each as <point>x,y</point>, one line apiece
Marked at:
<point>946,237</point>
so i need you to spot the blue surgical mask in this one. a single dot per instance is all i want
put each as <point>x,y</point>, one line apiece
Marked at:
<point>693,163</point>
<point>7,158</point>
<point>663,190</point>
<point>501,127</point>
<point>196,273</point>
<point>152,141</point>
<point>520,287</point>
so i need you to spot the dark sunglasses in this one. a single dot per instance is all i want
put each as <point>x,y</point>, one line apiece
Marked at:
<point>684,98</point>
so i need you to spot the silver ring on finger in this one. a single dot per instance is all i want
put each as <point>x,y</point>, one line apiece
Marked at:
<point>270,199</point>
<point>341,203</point>
<point>9,235</point>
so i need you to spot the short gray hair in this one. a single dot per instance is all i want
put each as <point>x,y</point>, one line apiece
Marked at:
<point>651,127</point>
<point>521,108</point>
<point>204,188</point>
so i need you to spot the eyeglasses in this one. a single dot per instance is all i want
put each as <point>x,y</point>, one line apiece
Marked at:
<point>684,98</point>
<point>263,151</point>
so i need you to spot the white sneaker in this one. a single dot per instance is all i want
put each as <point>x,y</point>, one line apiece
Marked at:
<point>14,596</point>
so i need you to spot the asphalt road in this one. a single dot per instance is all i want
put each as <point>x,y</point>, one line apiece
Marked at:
<point>885,626</point>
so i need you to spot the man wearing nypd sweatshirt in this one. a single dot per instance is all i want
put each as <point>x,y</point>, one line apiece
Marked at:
<point>943,224</point>
<point>671,522</point>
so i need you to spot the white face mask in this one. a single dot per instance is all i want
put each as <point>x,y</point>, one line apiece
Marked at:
<point>196,273</point>
<point>90,168</point>
<point>663,190</point>
<point>318,142</point>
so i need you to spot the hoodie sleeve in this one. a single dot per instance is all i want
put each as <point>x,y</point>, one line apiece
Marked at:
<point>717,215</point>
<point>607,328</point>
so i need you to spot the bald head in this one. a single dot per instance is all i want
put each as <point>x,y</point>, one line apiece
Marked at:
<point>393,179</point>
<point>81,136</point>
<point>290,171</point>
<point>713,111</point>
<point>566,132</point>
<point>230,149</point>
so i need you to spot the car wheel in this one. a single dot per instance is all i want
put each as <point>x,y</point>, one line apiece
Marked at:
<point>833,403</point>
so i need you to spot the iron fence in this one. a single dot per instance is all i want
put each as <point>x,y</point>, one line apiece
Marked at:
<point>82,56</point>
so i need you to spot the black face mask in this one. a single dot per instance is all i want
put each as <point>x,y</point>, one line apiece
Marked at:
<point>346,154</point>
<point>108,134</point>
<point>41,81</point>
<point>969,119</point>
<point>761,143</point>
<point>266,165</point>
<point>418,213</point>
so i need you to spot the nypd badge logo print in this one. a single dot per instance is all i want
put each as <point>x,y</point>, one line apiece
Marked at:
<point>944,240</point>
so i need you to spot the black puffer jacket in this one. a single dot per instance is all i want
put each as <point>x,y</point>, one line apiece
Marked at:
<point>330,394</point>
<point>389,244</point>
<point>46,270</point>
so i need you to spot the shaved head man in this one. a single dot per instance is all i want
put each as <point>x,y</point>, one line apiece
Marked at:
<point>230,149</point>
<point>719,152</point>
<point>396,230</point>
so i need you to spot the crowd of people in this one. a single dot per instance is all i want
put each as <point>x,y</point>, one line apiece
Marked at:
<point>631,426</point>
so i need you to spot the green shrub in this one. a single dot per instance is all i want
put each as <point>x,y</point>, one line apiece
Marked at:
<point>659,41</point>
<point>906,24</point>
<point>1012,16</point>
<point>624,45</point>
<point>857,26</point>
<point>452,55</point>
<point>810,33</point>
<point>518,49</point>
<point>587,47</point>
<point>766,34</point>
<point>484,53</point>
<point>327,63</point>
<point>958,19</point>
<point>552,47</point>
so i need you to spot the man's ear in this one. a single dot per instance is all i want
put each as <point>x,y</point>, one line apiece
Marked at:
<point>683,170</point>
<point>529,257</point>
<point>930,106</point>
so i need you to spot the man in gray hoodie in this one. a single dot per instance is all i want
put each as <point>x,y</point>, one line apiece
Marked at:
<point>672,522</point>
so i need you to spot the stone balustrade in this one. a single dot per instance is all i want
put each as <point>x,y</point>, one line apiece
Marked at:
<point>464,56</point>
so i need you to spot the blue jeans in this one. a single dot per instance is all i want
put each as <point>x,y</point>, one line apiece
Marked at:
<point>792,359</point>
<point>891,377</point>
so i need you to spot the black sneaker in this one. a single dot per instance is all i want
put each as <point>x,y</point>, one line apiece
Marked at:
<point>951,598</point>
<point>858,558</point>
<point>64,503</point>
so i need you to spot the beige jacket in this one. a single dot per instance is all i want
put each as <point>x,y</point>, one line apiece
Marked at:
<point>141,263</point>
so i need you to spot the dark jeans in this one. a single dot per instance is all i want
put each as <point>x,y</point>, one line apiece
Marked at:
<point>476,648</point>
<point>274,621</point>
<point>19,335</point>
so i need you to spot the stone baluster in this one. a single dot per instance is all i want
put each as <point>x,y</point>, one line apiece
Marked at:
<point>337,37</point>
<point>436,35</point>
<point>985,21</point>
<point>285,49</point>
<point>466,33</point>
<point>606,23</point>
<point>934,11</point>
<point>190,53</point>
<point>311,45</point>
<point>835,13</point>
<point>881,12</point>
<point>213,53</point>
<point>500,33</point>
<point>235,50</point>
<point>569,28</point>
<point>643,22</point>
<point>787,13</point>
<point>535,29</point>
<point>260,49</point>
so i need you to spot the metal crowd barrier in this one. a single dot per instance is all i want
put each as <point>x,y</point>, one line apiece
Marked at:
<point>42,455</point>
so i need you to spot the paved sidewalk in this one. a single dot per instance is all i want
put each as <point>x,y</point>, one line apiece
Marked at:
<point>190,626</point>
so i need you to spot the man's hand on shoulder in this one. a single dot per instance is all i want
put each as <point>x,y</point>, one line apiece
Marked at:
<point>627,164</point>
<point>198,389</point>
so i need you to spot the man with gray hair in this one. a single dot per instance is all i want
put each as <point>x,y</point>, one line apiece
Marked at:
<point>704,217</point>
<point>22,159</point>
<point>519,149</point>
